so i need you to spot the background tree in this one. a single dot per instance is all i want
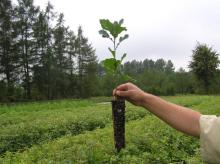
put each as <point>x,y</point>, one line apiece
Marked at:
<point>160,64</point>
<point>43,70</point>
<point>71,70</point>
<point>60,45</point>
<point>40,50</point>
<point>148,64</point>
<point>184,82</point>
<point>86,60</point>
<point>204,64</point>
<point>8,57</point>
<point>169,67</point>
<point>26,15</point>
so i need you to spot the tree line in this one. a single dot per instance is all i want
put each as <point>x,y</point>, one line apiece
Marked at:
<point>41,58</point>
<point>159,77</point>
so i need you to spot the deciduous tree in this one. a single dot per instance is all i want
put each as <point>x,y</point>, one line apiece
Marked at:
<point>204,64</point>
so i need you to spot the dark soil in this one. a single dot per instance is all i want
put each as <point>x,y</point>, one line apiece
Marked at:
<point>118,114</point>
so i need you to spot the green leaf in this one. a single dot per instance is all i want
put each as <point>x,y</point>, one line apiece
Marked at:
<point>121,21</point>
<point>114,28</point>
<point>112,52</point>
<point>106,25</point>
<point>127,78</point>
<point>117,30</point>
<point>123,38</point>
<point>123,56</point>
<point>111,64</point>
<point>104,33</point>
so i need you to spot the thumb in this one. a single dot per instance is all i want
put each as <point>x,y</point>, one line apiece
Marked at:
<point>122,93</point>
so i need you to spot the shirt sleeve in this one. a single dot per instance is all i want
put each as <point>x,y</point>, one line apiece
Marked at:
<point>210,138</point>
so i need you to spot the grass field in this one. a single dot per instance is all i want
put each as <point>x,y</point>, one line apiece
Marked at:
<point>80,131</point>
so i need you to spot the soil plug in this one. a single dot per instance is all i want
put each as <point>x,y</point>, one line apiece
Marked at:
<point>118,116</point>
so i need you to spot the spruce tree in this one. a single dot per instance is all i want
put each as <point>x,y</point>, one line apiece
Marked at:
<point>86,64</point>
<point>8,57</point>
<point>26,15</point>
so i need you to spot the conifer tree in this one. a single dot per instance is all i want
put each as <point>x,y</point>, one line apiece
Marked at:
<point>26,15</point>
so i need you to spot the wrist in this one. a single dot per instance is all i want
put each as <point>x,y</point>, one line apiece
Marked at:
<point>146,99</point>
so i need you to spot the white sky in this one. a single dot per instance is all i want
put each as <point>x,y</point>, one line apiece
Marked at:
<point>166,29</point>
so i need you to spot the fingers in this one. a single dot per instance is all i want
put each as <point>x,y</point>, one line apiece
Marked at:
<point>114,92</point>
<point>122,93</point>
<point>120,90</point>
<point>122,87</point>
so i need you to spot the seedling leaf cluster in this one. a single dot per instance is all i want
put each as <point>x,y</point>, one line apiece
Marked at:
<point>113,31</point>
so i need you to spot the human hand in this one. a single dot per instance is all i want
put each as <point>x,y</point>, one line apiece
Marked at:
<point>131,93</point>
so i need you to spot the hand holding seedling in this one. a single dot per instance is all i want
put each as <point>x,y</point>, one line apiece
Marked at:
<point>112,65</point>
<point>131,93</point>
<point>181,118</point>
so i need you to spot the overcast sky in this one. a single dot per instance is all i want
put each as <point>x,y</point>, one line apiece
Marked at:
<point>166,29</point>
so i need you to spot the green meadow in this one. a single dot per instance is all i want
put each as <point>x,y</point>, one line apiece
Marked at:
<point>80,131</point>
